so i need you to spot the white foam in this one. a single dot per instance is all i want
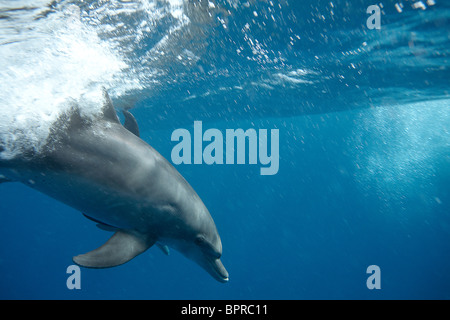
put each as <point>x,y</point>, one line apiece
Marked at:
<point>45,67</point>
<point>55,54</point>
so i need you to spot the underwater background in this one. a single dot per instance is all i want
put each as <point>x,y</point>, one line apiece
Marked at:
<point>364,149</point>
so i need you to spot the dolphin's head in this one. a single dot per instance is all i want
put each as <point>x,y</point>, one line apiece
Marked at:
<point>207,253</point>
<point>203,245</point>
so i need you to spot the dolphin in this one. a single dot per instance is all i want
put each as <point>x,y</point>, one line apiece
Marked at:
<point>103,169</point>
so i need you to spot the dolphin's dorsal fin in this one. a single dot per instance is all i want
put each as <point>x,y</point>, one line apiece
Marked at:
<point>130,122</point>
<point>120,248</point>
<point>108,111</point>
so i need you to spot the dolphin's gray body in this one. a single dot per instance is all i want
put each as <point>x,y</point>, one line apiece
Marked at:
<point>113,177</point>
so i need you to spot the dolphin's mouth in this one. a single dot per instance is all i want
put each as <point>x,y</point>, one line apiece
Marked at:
<point>218,270</point>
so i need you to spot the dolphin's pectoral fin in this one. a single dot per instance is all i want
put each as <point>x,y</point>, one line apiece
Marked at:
<point>120,248</point>
<point>164,248</point>
<point>106,227</point>
<point>130,123</point>
<point>102,225</point>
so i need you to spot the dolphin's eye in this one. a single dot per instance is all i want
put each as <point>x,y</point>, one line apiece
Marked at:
<point>206,246</point>
<point>199,240</point>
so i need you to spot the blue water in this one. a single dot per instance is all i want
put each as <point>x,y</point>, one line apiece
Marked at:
<point>364,173</point>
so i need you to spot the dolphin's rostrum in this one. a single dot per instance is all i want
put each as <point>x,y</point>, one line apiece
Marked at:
<point>108,173</point>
